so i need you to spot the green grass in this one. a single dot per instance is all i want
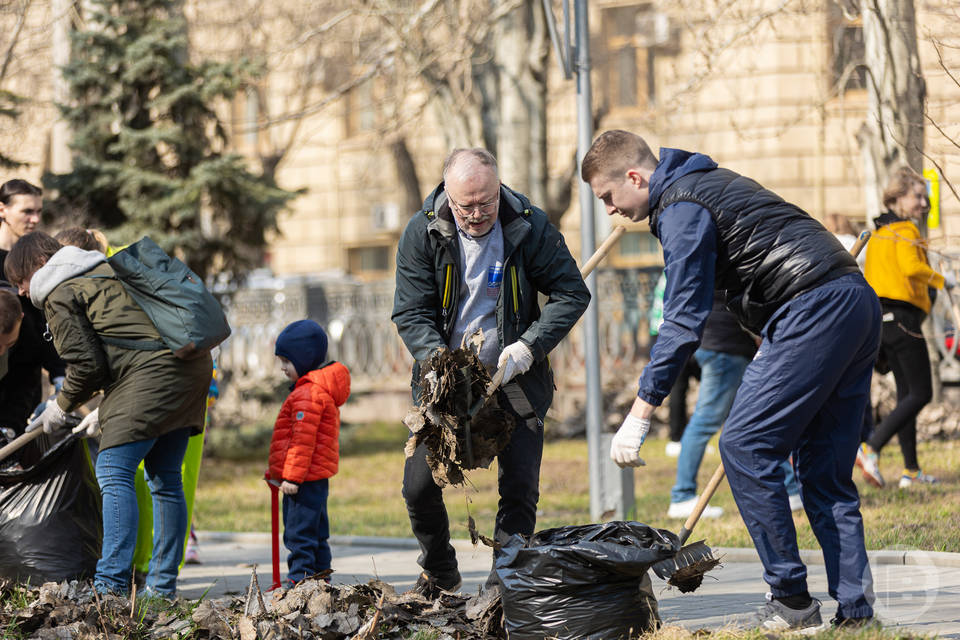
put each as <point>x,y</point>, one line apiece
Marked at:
<point>365,495</point>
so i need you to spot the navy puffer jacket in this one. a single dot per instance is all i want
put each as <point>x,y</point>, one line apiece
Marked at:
<point>768,250</point>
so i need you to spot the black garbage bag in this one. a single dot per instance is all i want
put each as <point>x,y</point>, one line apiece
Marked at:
<point>586,581</point>
<point>50,522</point>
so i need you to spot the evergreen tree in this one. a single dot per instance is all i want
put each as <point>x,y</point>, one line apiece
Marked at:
<point>149,151</point>
<point>9,108</point>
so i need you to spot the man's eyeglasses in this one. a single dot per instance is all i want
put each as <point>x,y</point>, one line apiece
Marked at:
<point>483,207</point>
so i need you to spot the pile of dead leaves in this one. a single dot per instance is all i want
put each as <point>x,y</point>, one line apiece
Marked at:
<point>451,382</point>
<point>312,609</point>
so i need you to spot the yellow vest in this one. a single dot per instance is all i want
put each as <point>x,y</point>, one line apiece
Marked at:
<point>897,266</point>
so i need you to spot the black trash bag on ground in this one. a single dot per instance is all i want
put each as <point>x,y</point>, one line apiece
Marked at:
<point>586,581</point>
<point>50,518</point>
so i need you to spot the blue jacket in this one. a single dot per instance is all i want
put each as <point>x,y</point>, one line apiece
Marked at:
<point>689,238</point>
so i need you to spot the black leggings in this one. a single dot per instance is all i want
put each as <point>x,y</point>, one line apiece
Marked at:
<point>906,351</point>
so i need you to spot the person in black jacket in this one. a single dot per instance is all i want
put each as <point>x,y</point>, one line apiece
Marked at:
<point>791,282</point>
<point>21,389</point>
<point>475,258</point>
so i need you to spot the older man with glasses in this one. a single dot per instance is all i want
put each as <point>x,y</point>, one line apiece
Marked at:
<point>475,257</point>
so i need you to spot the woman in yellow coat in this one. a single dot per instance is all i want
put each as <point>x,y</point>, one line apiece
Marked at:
<point>897,269</point>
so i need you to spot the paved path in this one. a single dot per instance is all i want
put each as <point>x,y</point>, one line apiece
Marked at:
<point>922,595</point>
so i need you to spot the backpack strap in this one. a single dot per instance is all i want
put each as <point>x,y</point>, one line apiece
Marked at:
<point>142,345</point>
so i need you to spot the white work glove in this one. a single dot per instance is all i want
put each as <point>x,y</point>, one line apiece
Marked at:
<point>52,419</point>
<point>626,443</point>
<point>57,385</point>
<point>949,282</point>
<point>90,424</point>
<point>515,359</point>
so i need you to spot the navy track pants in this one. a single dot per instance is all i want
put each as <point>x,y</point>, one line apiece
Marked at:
<point>804,394</point>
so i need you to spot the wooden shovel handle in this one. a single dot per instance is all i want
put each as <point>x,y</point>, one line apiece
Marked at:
<point>19,442</point>
<point>708,492</point>
<point>26,438</point>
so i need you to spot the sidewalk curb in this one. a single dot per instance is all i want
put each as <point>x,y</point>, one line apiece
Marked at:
<point>726,554</point>
<point>878,557</point>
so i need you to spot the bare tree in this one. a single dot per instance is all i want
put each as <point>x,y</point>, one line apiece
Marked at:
<point>892,134</point>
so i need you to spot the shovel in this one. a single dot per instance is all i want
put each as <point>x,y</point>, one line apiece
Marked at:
<point>685,570</point>
<point>24,439</point>
<point>497,380</point>
<point>274,528</point>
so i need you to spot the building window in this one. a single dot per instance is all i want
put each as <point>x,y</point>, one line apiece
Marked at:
<point>847,53</point>
<point>627,56</point>
<point>360,112</point>
<point>368,259</point>
<point>638,243</point>
<point>637,249</point>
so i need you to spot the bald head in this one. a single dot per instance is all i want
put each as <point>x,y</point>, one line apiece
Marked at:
<point>472,183</point>
<point>463,162</point>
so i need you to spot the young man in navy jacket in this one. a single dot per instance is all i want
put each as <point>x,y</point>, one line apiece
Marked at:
<point>792,283</point>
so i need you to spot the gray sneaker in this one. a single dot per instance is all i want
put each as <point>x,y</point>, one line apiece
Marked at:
<point>776,616</point>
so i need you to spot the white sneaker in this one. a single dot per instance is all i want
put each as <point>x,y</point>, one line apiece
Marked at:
<point>796,503</point>
<point>910,478</point>
<point>684,509</point>
<point>673,449</point>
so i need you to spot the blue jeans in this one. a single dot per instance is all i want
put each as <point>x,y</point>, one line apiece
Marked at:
<point>720,375</point>
<point>719,380</point>
<point>306,529</point>
<point>116,466</point>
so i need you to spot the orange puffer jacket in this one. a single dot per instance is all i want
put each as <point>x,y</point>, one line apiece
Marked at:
<point>306,436</point>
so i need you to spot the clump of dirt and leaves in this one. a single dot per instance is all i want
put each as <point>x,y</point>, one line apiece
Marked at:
<point>452,384</point>
<point>312,609</point>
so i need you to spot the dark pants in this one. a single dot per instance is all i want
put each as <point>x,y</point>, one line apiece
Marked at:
<point>805,394</point>
<point>677,399</point>
<point>306,529</point>
<point>906,352</point>
<point>518,479</point>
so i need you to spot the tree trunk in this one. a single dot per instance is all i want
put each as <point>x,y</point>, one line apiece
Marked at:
<point>892,135</point>
<point>896,88</point>
<point>406,170</point>
<point>519,54</point>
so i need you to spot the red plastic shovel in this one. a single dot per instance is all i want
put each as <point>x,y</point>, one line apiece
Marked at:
<point>274,528</point>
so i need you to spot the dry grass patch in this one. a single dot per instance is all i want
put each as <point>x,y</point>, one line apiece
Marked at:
<point>365,496</point>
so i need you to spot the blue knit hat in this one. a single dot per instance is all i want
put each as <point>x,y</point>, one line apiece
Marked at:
<point>304,344</point>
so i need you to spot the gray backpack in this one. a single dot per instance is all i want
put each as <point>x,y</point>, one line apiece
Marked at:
<point>184,312</point>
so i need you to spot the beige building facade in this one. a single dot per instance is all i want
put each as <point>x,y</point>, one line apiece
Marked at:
<point>769,88</point>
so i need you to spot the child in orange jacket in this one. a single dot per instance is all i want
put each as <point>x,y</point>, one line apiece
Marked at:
<point>305,449</point>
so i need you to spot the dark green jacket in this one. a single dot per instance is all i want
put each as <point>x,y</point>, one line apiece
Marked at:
<point>536,260</point>
<point>147,393</point>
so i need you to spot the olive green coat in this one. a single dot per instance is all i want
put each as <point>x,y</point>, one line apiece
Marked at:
<point>147,393</point>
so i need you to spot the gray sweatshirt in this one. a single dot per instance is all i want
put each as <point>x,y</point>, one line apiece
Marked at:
<point>481,261</point>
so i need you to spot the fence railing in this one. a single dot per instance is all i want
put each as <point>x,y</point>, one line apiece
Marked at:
<point>357,319</point>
